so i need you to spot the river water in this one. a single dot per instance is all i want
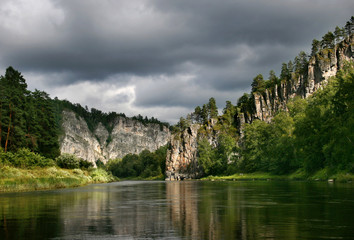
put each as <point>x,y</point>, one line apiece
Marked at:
<point>182,210</point>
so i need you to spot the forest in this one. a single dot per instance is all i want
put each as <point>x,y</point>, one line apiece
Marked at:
<point>30,126</point>
<point>313,134</point>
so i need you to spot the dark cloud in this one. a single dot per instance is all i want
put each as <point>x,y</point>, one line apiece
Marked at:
<point>172,54</point>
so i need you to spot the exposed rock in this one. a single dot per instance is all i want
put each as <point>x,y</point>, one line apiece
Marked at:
<point>77,139</point>
<point>131,136</point>
<point>182,159</point>
<point>127,136</point>
<point>320,68</point>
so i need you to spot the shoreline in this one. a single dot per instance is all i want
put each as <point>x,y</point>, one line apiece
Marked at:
<point>321,176</point>
<point>25,180</point>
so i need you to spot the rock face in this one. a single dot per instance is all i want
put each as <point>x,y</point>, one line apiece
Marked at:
<point>320,68</point>
<point>182,159</point>
<point>127,136</point>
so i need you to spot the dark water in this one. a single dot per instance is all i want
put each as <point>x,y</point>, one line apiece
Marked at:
<point>182,210</point>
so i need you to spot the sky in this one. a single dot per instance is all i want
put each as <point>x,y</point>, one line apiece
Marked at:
<point>159,58</point>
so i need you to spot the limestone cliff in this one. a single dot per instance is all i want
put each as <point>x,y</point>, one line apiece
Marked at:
<point>321,67</point>
<point>127,136</point>
<point>182,159</point>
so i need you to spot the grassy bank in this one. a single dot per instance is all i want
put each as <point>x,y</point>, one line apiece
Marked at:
<point>16,179</point>
<point>321,175</point>
<point>139,178</point>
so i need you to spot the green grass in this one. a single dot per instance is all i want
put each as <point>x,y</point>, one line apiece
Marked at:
<point>15,179</point>
<point>321,175</point>
<point>247,176</point>
<point>151,178</point>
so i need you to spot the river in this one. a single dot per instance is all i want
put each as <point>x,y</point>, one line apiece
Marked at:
<point>182,210</point>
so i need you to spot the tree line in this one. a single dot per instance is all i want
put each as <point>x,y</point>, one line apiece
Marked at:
<point>316,133</point>
<point>30,125</point>
<point>144,165</point>
<point>27,119</point>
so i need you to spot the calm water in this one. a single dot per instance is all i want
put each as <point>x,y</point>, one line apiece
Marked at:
<point>182,210</point>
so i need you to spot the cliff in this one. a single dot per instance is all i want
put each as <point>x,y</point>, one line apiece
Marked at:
<point>320,68</point>
<point>182,158</point>
<point>182,161</point>
<point>127,136</point>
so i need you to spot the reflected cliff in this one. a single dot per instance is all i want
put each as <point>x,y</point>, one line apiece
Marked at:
<point>181,210</point>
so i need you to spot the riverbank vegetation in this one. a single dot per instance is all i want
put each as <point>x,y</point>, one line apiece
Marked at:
<point>312,140</point>
<point>309,138</point>
<point>27,171</point>
<point>146,165</point>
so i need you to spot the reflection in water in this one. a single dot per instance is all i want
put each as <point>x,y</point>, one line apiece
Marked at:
<point>181,210</point>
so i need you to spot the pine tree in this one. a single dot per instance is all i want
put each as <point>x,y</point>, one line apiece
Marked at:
<point>13,101</point>
<point>285,73</point>
<point>328,40</point>
<point>213,109</point>
<point>198,114</point>
<point>258,84</point>
<point>204,113</point>
<point>339,33</point>
<point>316,46</point>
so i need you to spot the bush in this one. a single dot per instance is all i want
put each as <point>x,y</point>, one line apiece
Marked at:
<point>68,161</point>
<point>85,164</point>
<point>24,158</point>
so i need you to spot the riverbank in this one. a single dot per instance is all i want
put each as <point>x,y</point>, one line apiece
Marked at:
<point>18,180</point>
<point>322,175</point>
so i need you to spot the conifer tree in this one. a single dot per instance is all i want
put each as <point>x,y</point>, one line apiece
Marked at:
<point>213,109</point>
<point>258,84</point>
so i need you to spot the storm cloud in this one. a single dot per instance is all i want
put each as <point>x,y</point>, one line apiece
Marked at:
<point>157,58</point>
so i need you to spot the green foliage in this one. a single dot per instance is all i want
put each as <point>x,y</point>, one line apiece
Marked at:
<point>328,125</point>
<point>246,103</point>
<point>206,156</point>
<point>213,109</point>
<point>328,40</point>
<point>216,161</point>
<point>339,34</point>
<point>24,158</point>
<point>146,164</point>
<point>27,118</point>
<point>68,161</point>
<point>258,84</point>
<point>100,164</point>
<point>316,46</point>
<point>85,164</point>
<point>99,175</point>
<point>285,73</point>
<point>316,133</point>
<point>254,148</point>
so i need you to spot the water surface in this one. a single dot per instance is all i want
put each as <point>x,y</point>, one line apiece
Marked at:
<point>182,210</point>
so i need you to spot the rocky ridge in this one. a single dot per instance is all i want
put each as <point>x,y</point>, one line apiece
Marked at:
<point>320,68</point>
<point>182,159</point>
<point>127,136</point>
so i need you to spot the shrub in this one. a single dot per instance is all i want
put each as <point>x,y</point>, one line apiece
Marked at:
<point>85,164</point>
<point>24,158</point>
<point>68,161</point>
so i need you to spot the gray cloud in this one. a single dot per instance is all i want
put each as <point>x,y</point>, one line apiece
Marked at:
<point>165,54</point>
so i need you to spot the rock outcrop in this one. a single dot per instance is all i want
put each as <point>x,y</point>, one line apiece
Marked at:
<point>182,159</point>
<point>320,68</point>
<point>127,136</point>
